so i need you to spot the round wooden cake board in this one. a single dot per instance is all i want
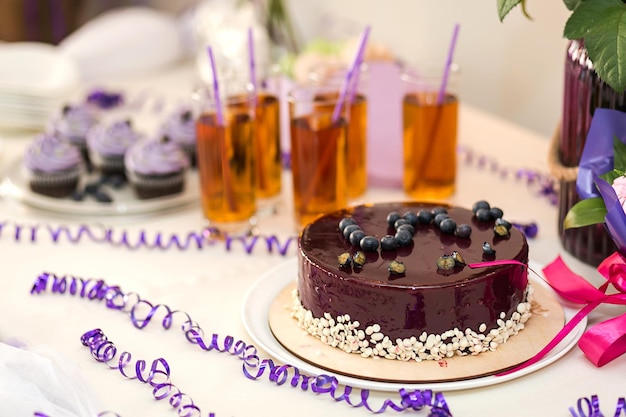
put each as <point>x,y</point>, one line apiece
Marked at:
<point>547,319</point>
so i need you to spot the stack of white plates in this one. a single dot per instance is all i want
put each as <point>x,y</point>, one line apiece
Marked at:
<point>36,79</point>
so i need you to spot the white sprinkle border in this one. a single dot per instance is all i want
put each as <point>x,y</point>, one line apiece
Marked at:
<point>343,333</point>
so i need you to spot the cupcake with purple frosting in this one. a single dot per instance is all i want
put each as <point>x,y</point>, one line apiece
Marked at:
<point>180,128</point>
<point>107,144</point>
<point>52,166</point>
<point>73,124</point>
<point>156,168</point>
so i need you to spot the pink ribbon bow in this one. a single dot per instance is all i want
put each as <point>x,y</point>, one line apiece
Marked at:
<point>604,341</point>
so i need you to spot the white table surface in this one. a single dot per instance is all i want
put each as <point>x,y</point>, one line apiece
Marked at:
<point>210,284</point>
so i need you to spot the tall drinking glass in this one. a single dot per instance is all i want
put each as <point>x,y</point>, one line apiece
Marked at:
<point>268,150</point>
<point>318,152</point>
<point>356,138</point>
<point>226,156</point>
<point>430,118</point>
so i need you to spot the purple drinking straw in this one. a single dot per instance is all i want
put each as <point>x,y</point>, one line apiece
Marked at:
<point>349,75</point>
<point>216,90</point>
<point>252,62</point>
<point>446,71</point>
<point>355,77</point>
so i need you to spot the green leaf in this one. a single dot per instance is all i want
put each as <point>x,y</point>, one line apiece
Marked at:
<point>619,162</point>
<point>572,4</point>
<point>619,154</point>
<point>584,213</point>
<point>611,175</point>
<point>602,25</point>
<point>505,6</point>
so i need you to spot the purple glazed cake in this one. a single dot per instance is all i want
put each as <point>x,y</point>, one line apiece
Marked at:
<point>156,168</point>
<point>180,128</point>
<point>412,297</point>
<point>52,166</point>
<point>107,144</point>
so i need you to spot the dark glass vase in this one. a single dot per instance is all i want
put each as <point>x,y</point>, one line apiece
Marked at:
<point>583,93</point>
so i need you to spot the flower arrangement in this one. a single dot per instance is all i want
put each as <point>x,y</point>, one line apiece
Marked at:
<point>601,181</point>
<point>601,185</point>
<point>601,25</point>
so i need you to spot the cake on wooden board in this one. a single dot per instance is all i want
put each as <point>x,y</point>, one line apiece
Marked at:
<point>366,288</point>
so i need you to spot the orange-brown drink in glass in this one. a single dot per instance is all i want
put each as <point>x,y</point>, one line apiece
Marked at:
<point>335,75</point>
<point>430,119</point>
<point>268,151</point>
<point>357,147</point>
<point>318,154</point>
<point>226,162</point>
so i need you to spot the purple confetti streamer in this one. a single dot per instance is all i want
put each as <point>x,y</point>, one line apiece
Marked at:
<point>208,237</point>
<point>142,312</point>
<point>545,184</point>
<point>157,375</point>
<point>590,407</point>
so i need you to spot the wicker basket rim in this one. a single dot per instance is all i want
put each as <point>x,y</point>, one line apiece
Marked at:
<point>557,169</point>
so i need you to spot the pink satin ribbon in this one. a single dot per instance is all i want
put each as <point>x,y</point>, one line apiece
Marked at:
<point>604,341</point>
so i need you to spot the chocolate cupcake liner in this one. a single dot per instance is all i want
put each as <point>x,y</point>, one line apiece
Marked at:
<point>147,187</point>
<point>108,165</point>
<point>58,184</point>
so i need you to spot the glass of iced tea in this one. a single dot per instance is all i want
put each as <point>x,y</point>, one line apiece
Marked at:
<point>335,74</point>
<point>318,151</point>
<point>268,149</point>
<point>430,118</point>
<point>226,156</point>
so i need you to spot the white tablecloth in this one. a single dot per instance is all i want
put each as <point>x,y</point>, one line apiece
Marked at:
<point>210,284</point>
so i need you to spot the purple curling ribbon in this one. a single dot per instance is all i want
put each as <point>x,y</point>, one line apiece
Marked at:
<point>543,184</point>
<point>143,312</point>
<point>208,237</point>
<point>328,384</point>
<point>590,407</point>
<point>416,400</point>
<point>157,375</point>
<point>90,289</point>
<point>587,408</point>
